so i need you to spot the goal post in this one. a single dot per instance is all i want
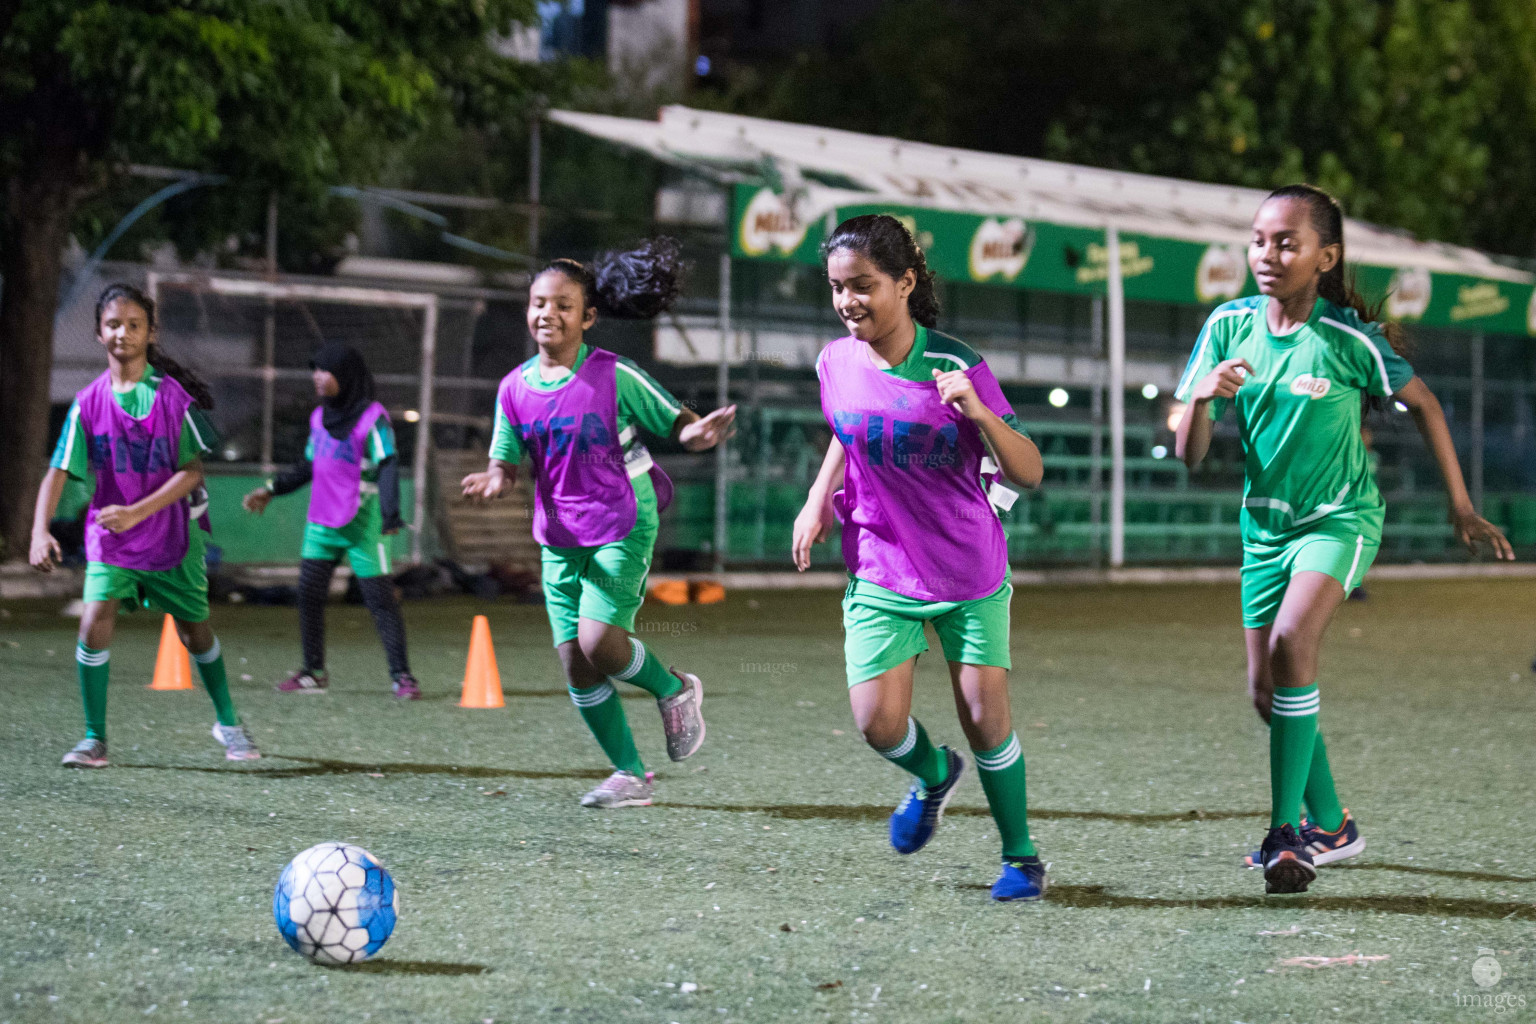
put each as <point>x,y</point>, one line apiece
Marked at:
<point>233,328</point>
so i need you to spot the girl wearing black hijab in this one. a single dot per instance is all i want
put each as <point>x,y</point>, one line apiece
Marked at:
<point>354,503</point>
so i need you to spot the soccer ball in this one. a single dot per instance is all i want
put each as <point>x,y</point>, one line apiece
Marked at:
<point>335,904</point>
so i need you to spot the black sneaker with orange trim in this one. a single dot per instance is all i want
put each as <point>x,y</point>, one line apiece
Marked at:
<point>1287,864</point>
<point>1325,847</point>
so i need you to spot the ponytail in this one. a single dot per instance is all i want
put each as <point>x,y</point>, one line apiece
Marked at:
<point>886,242</point>
<point>1338,285</point>
<point>634,284</point>
<point>156,355</point>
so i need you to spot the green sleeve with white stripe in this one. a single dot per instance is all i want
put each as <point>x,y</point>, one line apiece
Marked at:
<point>71,454</point>
<point>1210,349</point>
<point>644,402</point>
<point>198,438</point>
<point>506,446</point>
<point>1399,371</point>
<point>381,441</point>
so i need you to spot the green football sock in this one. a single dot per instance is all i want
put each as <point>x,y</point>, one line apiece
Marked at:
<point>600,709</point>
<point>1292,735</point>
<point>1322,800</point>
<point>646,671</point>
<point>210,665</point>
<point>93,669</point>
<point>917,754</point>
<point>1002,779</point>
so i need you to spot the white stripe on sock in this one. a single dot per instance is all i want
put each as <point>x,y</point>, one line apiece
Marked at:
<point>1010,754</point>
<point>211,655</point>
<point>637,659</point>
<point>591,698</point>
<point>906,746</point>
<point>92,658</point>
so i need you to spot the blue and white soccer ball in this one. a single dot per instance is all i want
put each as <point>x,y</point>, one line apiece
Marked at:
<point>335,904</point>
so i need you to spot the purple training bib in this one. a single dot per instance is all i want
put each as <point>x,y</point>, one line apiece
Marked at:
<point>131,460</point>
<point>582,493</point>
<point>916,519</point>
<point>335,492</point>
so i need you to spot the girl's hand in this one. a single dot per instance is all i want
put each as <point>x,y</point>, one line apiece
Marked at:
<point>955,389</point>
<point>812,526</point>
<point>117,518</point>
<point>707,431</point>
<point>1223,381</point>
<point>1472,528</point>
<point>485,486</point>
<point>46,552</point>
<point>256,502</point>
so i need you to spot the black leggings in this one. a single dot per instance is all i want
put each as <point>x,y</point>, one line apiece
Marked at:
<point>378,594</point>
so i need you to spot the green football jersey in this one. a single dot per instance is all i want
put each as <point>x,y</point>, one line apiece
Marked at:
<point>1299,413</point>
<point>932,350</point>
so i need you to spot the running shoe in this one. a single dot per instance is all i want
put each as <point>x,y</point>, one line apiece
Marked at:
<point>304,681</point>
<point>88,753</point>
<point>1287,864</point>
<point>1325,847</point>
<point>917,817</point>
<point>1023,879</point>
<point>621,789</point>
<point>682,717</point>
<point>406,688</point>
<point>238,745</point>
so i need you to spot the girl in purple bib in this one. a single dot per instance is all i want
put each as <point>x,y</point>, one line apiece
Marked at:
<point>139,430</point>
<point>573,411</point>
<point>921,432</point>
<point>352,468</point>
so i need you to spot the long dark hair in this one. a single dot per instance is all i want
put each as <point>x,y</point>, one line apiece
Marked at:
<point>1337,285</point>
<point>886,242</point>
<point>629,284</point>
<point>156,355</point>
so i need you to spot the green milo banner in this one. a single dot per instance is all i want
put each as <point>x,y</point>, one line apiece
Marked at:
<point>1010,252</point>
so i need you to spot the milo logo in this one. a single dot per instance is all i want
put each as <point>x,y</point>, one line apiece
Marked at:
<point>1312,387</point>
<point>769,222</point>
<point>1408,295</point>
<point>1221,274</point>
<point>1000,249</point>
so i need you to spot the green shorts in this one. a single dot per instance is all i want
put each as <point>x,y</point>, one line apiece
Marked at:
<point>883,629</point>
<point>182,591</point>
<point>361,540</point>
<point>605,583</point>
<point>1343,550</point>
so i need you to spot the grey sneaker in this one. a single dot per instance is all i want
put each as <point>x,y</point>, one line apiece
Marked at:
<point>88,753</point>
<point>621,789</point>
<point>682,717</point>
<point>238,745</point>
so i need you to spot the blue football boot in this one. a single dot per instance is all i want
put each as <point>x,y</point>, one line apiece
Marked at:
<point>914,822</point>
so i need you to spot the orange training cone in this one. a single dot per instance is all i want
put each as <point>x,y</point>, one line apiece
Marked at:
<point>173,665</point>
<point>669,591</point>
<point>706,592</point>
<point>482,680</point>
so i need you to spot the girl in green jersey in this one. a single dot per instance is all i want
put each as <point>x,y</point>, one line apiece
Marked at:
<point>1298,362</point>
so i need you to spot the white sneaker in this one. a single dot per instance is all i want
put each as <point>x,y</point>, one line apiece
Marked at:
<point>682,718</point>
<point>238,745</point>
<point>621,789</point>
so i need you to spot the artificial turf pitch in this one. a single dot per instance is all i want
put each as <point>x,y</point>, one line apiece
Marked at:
<point>761,887</point>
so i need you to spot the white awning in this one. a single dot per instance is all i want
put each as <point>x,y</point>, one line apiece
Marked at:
<point>840,167</point>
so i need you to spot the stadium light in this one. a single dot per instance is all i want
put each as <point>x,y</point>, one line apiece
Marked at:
<point>411,416</point>
<point>1149,391</point>
<point>1159,451</point>
<point>1058,397</point>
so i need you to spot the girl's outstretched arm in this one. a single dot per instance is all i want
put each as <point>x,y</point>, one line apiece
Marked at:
<point>817,518</point>
<point>1430,418</point>
<point>45,549</point>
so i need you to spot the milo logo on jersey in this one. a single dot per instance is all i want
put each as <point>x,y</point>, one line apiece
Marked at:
<point>1312,387</point>
<point>138,454</point>
<point>554,437</point>
<point>1000,249</point>
<point>903,444</point>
